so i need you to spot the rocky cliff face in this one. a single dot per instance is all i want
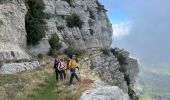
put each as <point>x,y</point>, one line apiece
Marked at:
<point>12,30</point>
<point>96,21</point>
<point>96,31</point>
<point>13,37</point>
<point>94,35</point>
<point>108,67</point>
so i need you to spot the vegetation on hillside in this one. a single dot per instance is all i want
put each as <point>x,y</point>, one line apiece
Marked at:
<point>106,51</point>
<point>35,21</point>
<point>71,51</point>
<point>20,85</point>
<point>55,45</point>
<point>74,21</point>
<point>121,59</point>
<point>100,7</point>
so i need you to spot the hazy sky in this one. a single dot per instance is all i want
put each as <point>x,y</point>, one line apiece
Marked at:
<point>149,37</point>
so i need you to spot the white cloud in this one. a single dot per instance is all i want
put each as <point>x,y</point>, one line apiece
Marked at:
<point>121,29</point>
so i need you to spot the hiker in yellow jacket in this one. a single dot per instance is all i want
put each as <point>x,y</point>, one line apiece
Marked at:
<point>73,66</point>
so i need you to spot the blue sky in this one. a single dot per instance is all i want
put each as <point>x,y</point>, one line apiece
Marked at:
<point>115,13</point>
<point>149,37</point>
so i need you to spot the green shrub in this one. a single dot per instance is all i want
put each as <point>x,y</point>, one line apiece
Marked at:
<point>127,78</point>
<point>122,69</point>
<point>92,16</point>
<point>90,23</point>
<point>91,31</point>
<point>74,21</point>
<point>55,45</point>
<point>59,28</point>
<point>35,21</point>
<point>71,51</point>
<point>40,56</point>
<point>48,15</point>
<point>105,51</point>
<point>53,53</point>
<point>69,1</point>
<point>55,42</point>
<point>121,59</point>
<point>132,94</point>
<point>100,7</point>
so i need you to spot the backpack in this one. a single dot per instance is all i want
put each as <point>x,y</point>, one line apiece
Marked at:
<point>56,64</point>
<point>60,66</point>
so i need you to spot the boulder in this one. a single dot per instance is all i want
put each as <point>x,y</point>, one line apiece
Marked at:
<point>104,92</point>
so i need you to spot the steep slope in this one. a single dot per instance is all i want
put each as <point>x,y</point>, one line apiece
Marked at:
<point>80,24</point>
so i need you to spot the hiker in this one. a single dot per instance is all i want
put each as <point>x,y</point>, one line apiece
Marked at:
<point>56,68</point>
<point>73,66</point>
<point>59,69</point>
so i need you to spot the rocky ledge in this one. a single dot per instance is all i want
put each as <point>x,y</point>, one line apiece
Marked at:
<point>101,91</point>
<point>18,67</point>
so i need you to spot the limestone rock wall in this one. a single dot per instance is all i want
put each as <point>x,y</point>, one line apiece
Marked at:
<point>12,30</point>
<point>107,68</point>
<point>12,22</point>
<point>13,38</point>
<point>81,39</point>
<point>131,67</point>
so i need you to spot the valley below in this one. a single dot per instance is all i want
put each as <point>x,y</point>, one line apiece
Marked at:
<point>154,83</point>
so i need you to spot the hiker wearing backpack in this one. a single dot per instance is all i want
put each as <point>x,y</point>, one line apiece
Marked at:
<point>59,69</point>
<point>73,66</point>
<point>56,68</point>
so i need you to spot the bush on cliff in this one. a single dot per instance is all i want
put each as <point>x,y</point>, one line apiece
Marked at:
<point>100,7</point>
<point>105,51</point>
<point>55,45</point>
<point>55,42</point>
<point>35,21</point>
<point>69,1</point>
<point>121,59</point>
<point>71,51</point>
<point>74,21</point>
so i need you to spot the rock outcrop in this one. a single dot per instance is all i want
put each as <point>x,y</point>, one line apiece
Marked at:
<point>18,67</point>
<point>131,66</point>
<point>107,68</point>
<point>96,31</point>
<point>13,36</point>
<point>12,29</point>
<point>12,23</point>
<point>100,91</point>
